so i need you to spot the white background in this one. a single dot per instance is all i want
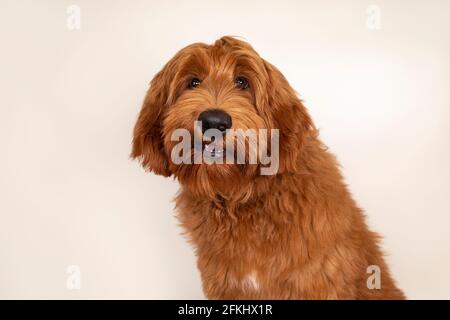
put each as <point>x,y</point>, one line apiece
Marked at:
<point>69,195</point>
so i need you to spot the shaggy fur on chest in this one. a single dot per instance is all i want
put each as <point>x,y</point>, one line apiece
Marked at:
<point>299,236</point>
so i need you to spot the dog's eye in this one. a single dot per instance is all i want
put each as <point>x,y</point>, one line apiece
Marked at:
<point>241,83</point>
<point>194,83</point>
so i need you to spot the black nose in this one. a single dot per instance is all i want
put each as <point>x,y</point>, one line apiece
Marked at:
<point>215,119</point>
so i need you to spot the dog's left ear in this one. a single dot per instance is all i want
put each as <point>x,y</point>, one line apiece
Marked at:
<point>147,136</point>
<point>289,115</point>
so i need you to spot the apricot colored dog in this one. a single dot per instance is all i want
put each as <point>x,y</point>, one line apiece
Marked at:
<point>296,234</point>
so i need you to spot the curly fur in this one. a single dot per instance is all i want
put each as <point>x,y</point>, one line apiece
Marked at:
<point>294,235</point>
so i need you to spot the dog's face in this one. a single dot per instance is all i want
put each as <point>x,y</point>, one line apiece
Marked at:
<point>225,86</point>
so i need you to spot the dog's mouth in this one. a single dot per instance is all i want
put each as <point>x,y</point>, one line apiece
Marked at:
<point>214,148</point>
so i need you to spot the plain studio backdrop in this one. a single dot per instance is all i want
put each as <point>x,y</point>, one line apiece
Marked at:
<point>375,77</point>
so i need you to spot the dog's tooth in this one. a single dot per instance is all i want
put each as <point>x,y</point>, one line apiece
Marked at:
<point>209,148</point>
<point>213,148</point>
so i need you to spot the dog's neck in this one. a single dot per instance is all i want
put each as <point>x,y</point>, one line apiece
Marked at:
<point>316,169</point>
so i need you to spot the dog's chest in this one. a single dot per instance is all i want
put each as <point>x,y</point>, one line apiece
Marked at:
<point>250,282</point>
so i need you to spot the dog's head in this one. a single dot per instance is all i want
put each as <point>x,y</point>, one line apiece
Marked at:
<point>226,86</point>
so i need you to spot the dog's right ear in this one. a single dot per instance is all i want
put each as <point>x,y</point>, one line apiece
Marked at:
<point>147,136</point>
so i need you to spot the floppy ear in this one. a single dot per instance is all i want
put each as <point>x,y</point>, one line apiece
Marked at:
<point>289,116</point>
<point>147,137</point>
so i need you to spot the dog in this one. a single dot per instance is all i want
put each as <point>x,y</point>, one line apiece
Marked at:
<point>294,234</point>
